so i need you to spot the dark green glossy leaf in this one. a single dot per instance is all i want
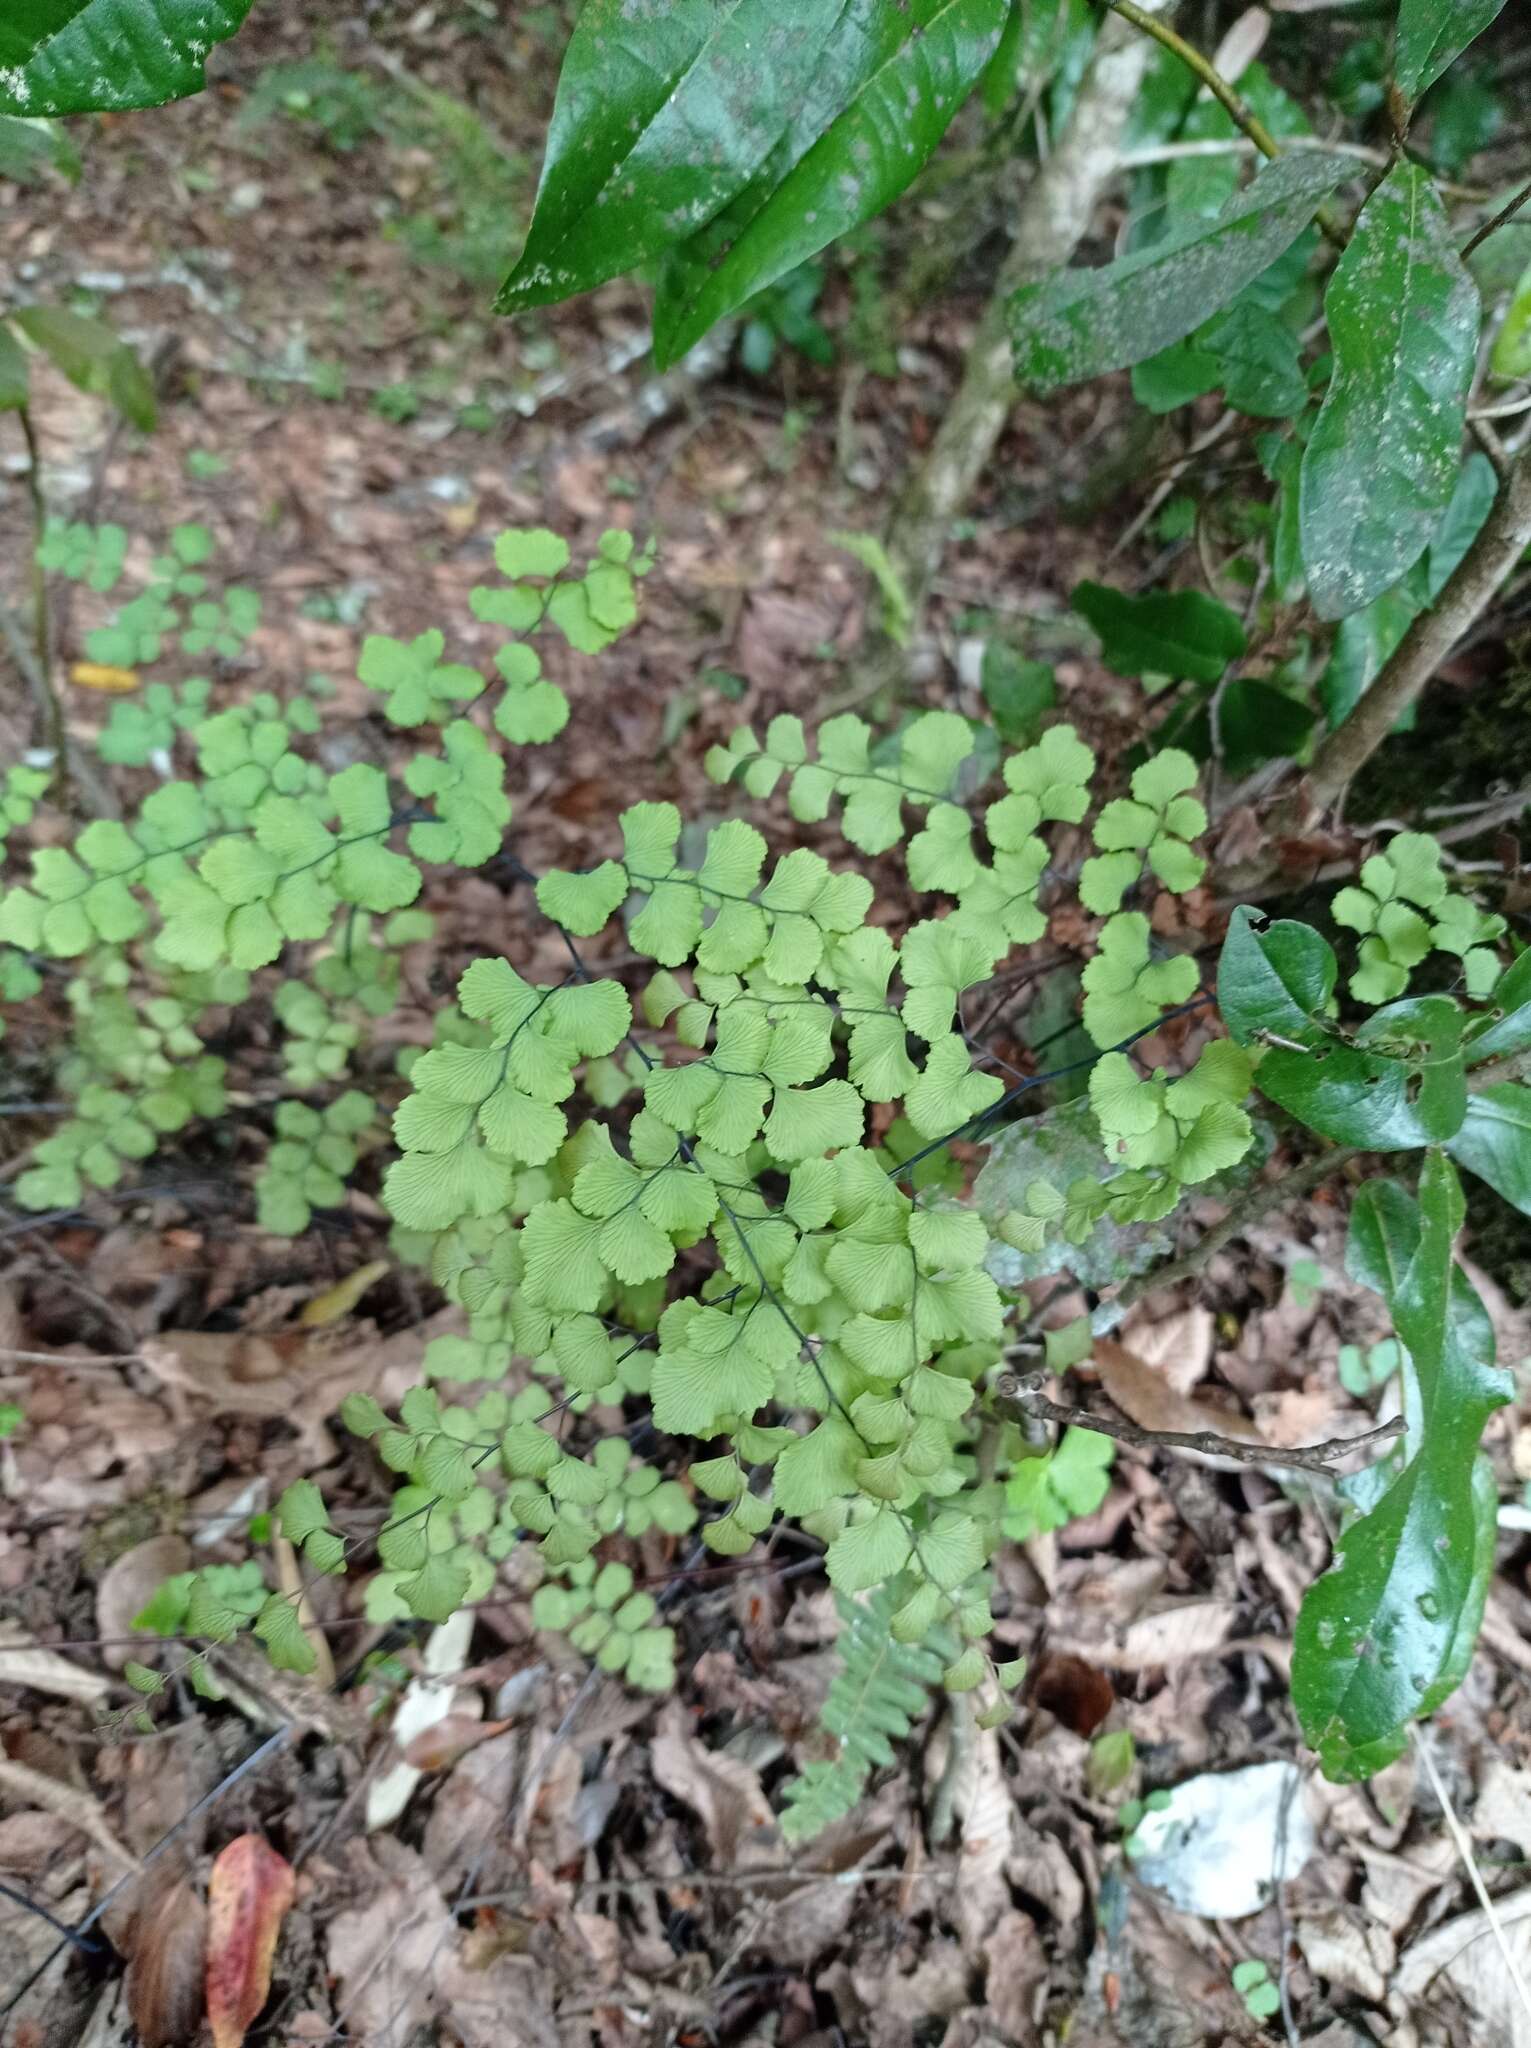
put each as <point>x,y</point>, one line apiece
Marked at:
<point>1256,723</point>
<point>1512,1032</point>
<point>80,56</point>
<point>1166,633</point>
<point>1362,645</point>
<point>1495,1142</point>
<point>1383,1237</point>
<point>1175,376</point>
<point>1359,1098</point>
<point>1401,1084</point>
<point>663,114</point>
<point>1282,458</point>
<point>848,140</point>
<point>1035,42</point>
<point>1432,34</point>
<point>1275,977</point>
<point>1472,498</point>
<point>1259,723</point>
<point>1384,1636</point>
<point>1085,322</point>
<point>1381,462</point>
<point>1205,184</point>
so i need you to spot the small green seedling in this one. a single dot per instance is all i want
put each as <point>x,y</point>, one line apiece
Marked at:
<point>1363,1372</point>
<point>1252,1981</point>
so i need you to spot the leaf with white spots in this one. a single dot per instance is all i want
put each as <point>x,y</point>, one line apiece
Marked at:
<point>1081,323</point>
<point>1381,463</point>
<point>1432,34</point>
<point>83,56</point>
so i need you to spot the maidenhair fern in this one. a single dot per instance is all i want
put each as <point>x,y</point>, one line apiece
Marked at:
<point>719,1192</point>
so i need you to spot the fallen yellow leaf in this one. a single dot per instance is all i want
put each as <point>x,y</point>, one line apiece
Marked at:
<point>339,1300</point>
<point>99,675</point>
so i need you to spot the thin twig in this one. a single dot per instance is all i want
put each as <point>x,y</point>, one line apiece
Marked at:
<point>1489,227</point>
<point>80,1941</point>
<point>709,1881</point>
<point>1378,159</point>
<point>26,660</point>
<point>1023,1391</point>
<point>40,624</point>
<point>1500,412</point>
<point>71,766</point>
<point>1464,1849</point>
<point>62,1358</point>
<point>1256,1202</point>
<point>1242,115</point>
<point>1473,586</point>
<point>1278,1896</point>
<point>240,1771</point>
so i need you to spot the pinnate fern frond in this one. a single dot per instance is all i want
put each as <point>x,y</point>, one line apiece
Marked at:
<point>880,1690</point>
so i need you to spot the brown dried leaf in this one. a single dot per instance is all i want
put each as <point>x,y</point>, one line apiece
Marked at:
<point>1178,1347</point>
<point>1337,1943</point>
<point>80,1809</point>
<point>723,1790</point>
<point>437,1748</point>
<point>1017,1971</point>
<point>23,1662</point>
<point>984,1801</point>
<point>248,1893</point>
<point>337,1302</point>
<point>1465,1954</point>
<point>1503,1808</point>
<point>387,1954</point>
<point>125,1588</point>
<point>300,1375</point>
<point>1147,1398</point>
<point>165,1966</point>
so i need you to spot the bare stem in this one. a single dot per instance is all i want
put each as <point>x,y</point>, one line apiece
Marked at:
<point>1054,216</point>
<point>34,658</point>
<point>1019,1393</point>
<point>40,629</point>
<point>1473,586</point>
<point>1489,227</point>
<point>1256,1202</point>
<point>39,672</point>
<point>1242,115</point>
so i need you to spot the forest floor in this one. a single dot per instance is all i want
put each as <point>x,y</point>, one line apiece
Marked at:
<point>307,259</point>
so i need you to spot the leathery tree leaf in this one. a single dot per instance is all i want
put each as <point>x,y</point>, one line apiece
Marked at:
<point>1512,1031</point>
<point>1432,34</point>
<point>248,1893</point>
<point>83,56</point>
<point>1495,1142</point>
<point>1384,1635</point>
<point>1275,977</point>
<point>662,114</point>
<point>890,78</point>
<point>1084,322</point>
<point>1165,632</point>
<point>1381,463</point>
<point>1357,1097</point>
